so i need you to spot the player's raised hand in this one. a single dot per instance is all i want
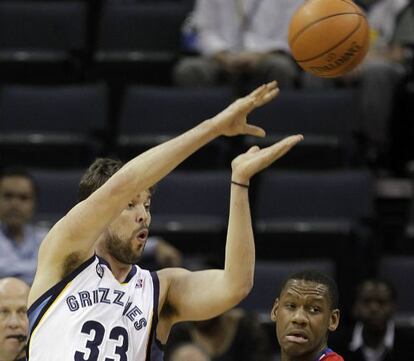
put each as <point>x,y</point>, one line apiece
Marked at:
<point>246,165</point>
<point>233,120</point>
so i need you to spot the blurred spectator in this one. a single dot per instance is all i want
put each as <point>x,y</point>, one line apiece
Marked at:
<point>377,78</point>
<point>13,319</point>
<point>240,40</point>
<point>232,336</point>
<point>19,239</point>
<point>404,32</point>
<point>305,312</point>
<point>375,336</point>
<point>160,254</point>
<point>188,352</point>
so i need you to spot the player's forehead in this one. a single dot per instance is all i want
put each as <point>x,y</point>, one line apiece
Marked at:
<point>143,197</point>
<point>305,289</point>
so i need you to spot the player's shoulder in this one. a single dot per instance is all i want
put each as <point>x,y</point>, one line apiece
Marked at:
<point>168,274</point>
<point>168,277</point>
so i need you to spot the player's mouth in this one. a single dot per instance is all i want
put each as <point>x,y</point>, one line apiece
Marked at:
<point>298,337</point>
<point>17,337</point>
<point>142,235</point>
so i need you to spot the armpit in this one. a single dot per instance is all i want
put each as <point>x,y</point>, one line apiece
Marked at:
<point>168,311</point>
<point>71,263</point>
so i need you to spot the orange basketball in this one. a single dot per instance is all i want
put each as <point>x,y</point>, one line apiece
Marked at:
<point>328,38</point>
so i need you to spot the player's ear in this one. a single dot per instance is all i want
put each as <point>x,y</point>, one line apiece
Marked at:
<point>334,320</point>
<point>273,314</point>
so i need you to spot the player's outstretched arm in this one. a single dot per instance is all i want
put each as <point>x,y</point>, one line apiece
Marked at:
<point>205,294</point>
<point>72,239</point>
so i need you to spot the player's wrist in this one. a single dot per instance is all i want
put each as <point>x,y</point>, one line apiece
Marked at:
<point>215,126</point>
<point>240,184</point>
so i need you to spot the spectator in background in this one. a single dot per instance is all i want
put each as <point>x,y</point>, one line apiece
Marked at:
<point>13,319</point>
<point>305,312</point>
<point>375,336</point>
<point>160,254</point>
<point>404,32</point>
<point>188,352</point>
<point>232,336</point>
<point>240,40</point>
<point>376,79</point>
<point>20,238</point>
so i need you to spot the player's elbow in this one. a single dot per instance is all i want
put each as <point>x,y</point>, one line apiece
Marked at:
<point>242,290</point>
<point>246,289</point>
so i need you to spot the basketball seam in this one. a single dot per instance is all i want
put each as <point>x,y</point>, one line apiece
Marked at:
<point>317,21</point>
<point>339,72</point>
<point>333,47</point>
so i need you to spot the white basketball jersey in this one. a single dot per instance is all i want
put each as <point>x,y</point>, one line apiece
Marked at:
<point>90,316</point>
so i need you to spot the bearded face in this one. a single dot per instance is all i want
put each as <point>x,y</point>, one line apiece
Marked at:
<point>128,250</point>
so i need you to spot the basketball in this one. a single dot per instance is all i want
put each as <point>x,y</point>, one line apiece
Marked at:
<point>328,38</point>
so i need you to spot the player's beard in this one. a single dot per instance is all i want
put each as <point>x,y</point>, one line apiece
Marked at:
<point>122,250</point>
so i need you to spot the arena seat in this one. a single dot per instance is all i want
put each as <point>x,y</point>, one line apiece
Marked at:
<point>52,126</point>
<point>42,40</point>
<point>57,193</point>
<point>324,118</point>
<point>139,40</point>
<point>190,210</point>
<point>151,115</point>
<point>328,214</point>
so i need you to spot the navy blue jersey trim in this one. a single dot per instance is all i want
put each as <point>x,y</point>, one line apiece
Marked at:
<point>104,261</point>
<point>35,313</point>
<point>42,304</point>
<point>153,333</point>
<point>156,285</point>
<point>131,274</point>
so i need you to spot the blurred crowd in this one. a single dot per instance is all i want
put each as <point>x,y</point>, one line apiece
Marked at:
<point>243,43</point>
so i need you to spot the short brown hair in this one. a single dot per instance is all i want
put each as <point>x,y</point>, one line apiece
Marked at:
<point>96,175</point>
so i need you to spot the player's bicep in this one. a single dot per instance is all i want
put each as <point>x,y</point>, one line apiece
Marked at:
<point>77,232</point>
<point>199,295</point>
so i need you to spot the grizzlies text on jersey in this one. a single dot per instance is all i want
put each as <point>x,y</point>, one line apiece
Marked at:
<point>90,316</point>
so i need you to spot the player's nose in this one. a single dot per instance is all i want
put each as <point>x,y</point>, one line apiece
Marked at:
<point>299,317</point>
<point>142,215</point>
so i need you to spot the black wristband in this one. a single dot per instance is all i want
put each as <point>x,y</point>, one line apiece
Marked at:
<point>240,184</point>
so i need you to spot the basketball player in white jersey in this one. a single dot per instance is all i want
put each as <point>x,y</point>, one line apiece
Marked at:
<point>90,302</point>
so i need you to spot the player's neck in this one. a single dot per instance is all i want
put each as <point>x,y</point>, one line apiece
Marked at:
<point>311,356</point>
<point>119,270</point>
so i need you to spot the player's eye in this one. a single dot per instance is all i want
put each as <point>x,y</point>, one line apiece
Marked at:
<point>3,312</point>
<point>290,306</point>
<point>314,309</point>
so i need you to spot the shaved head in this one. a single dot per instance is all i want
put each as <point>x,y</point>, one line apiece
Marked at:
<point>13,318</point>
<point>12,284</point>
